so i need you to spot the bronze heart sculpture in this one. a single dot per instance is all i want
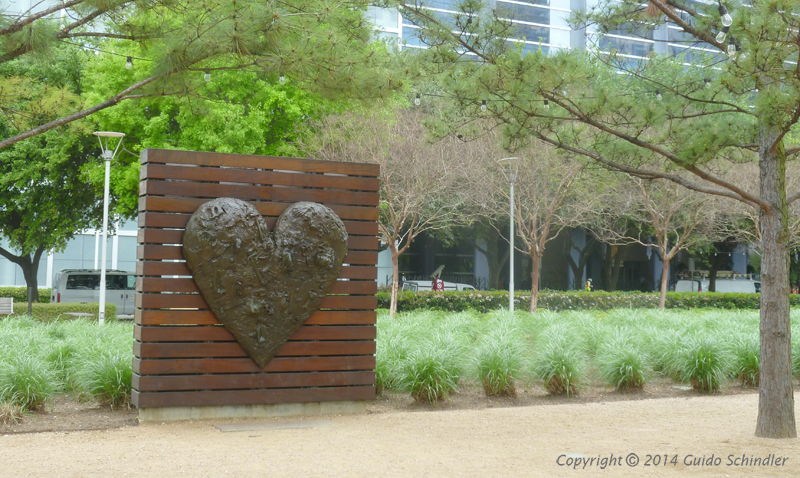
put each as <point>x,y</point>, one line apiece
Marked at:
<point>263,285</point>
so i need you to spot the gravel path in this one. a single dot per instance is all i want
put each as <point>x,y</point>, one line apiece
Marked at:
<point>494,442</point>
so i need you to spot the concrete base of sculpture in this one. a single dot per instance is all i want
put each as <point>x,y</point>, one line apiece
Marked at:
<point>252,411</point>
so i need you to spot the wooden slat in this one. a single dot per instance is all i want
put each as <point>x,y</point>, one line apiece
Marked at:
<point>175,236</point>
<point>163,350</point>
<point>158,268</point>
<point>246,365</point>
<point>165,156</point>
<point>187,206</point>
<point>196,301</point>
<point>250,176</point>
<point>249,397</point>
<point>260,193</point>
<point>150,252</point>
<point>206,317</point>
<point>221,334</point>
<point>170,383</point>
<point>159,284</point>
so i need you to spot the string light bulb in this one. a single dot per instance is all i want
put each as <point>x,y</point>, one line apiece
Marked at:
<point>722,33</point>
<point>483,105</point>
<point>129,63</point>
<point>726,18</point>
<point>417,101</point>
<point>282,79</point>
<point>207,76</point>
<point>546,104</point>
<point>658,95</point>
<point>707,82</point>
<point>732,48</point>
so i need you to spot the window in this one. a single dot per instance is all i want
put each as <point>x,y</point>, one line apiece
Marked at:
<point>83,282</point>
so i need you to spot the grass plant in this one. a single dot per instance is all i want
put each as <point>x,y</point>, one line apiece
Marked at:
<point>746,356</point>
<point>703,364</point>
<point>560,364</point>
<point>28,381</point>
<point>499,361</point>
<point>106,377</point>
<point>623,365</point>
<point>431,371</point>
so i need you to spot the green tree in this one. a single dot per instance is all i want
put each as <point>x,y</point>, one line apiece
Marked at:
<point>324,44</point>
<point>739,102</point>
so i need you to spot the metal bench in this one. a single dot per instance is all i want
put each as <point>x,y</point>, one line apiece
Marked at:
<point>6,305</point>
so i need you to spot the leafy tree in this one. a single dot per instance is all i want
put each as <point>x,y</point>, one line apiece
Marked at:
<point>653,118</point>
<point>326,44</point>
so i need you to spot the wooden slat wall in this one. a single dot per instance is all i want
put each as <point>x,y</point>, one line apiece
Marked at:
<point>182,355</point>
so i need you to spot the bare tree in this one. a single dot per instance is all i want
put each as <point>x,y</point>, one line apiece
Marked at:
<point>544,181</point>
<point>422,183</point>
<point>656,213</point>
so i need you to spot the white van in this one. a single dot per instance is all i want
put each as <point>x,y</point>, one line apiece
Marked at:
<point>722,285</point>
<point>418,285</point>
<point>83,286</point>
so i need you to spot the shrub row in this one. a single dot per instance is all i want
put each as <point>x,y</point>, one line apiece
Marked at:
<point>49,312</point>
<point>483,301</point>
<point>20,294</point>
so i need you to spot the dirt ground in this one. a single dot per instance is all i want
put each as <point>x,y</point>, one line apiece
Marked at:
<point>663,430</point>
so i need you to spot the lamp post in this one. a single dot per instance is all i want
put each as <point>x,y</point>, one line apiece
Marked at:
<point>108,155</point>
<point>511,177</point>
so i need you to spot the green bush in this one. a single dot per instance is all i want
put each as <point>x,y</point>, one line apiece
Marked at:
<point>703,364</point>
<point>747,356</point>
<point>20,294</point>
<point>559,364</point>
<point>49,312</point>
<point>483,301</point>
<point>27,381</point>
<point>622,365</point>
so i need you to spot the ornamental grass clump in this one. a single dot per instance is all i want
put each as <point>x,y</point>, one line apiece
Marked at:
<point>746,357</point>
<point>703,364</point>
<point>10,413</point>
<point>499,362</point>
<point>622,364</point>
<point>559,364</point>
<point>27,381</point>
<point>430,372</point>
<point>106,377</point>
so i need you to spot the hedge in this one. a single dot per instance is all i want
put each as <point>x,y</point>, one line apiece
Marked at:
<point>570,300</point>
<point>20,294</point>
<point>48,312</point>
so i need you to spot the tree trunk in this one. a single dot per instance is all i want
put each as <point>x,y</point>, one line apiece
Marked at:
<point>395,280</point>
<point>662,299</point>
<point>535,266</point>
<point>30,269</point>
<point>776,399</point>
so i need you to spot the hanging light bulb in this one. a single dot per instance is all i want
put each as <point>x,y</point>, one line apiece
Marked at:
<point>483,105</point>
<point>658,95</point>
<point>722,33</point>
<point>417,101</point>
<point>726,18</point>
<point>707,82</point>
<point>282,79</point>
<point>129,63</point>
<point>546,105</point>
<point>207,76</point>
<point>732,49</point>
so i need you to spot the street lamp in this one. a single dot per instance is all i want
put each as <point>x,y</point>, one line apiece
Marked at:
<point>511,177</point>
<point>108,155</point>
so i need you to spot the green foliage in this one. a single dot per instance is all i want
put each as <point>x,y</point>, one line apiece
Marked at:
<point>27,381</point>
<point>499,359</point>
<point>704,363</point>
<point>483,301</point>
<point>431,372</point>
<point>106,377</point>
<point>20,294</point>
<point>746,357</point>
<point>53,311</point>
<point>559,363</point>
<point>623,365</point>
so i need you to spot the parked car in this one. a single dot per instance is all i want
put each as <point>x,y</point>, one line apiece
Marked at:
<point>83,286</point>
<point>418,285</point>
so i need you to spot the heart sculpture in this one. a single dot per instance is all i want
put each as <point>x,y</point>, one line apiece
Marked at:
<point>263,285</point>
